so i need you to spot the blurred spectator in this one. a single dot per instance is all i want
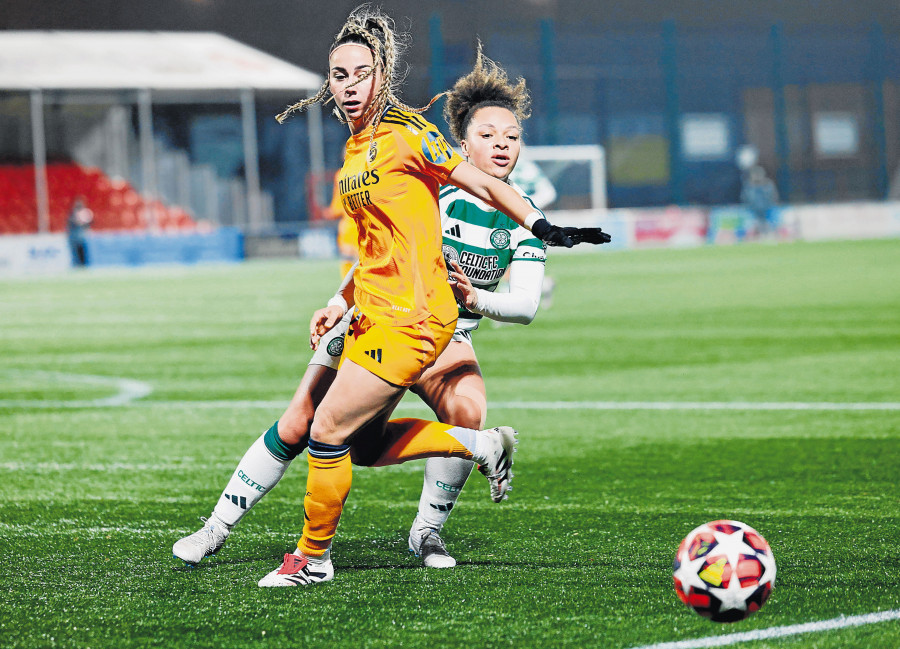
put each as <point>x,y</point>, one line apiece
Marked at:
<point>347,234</point>
<point>760,196</point>
<point>531,178</point>
<point>80,219</point>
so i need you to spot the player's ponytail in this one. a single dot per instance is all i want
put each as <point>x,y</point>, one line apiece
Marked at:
<point>370,27</point>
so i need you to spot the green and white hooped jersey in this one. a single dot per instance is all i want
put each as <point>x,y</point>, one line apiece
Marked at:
<point>483,241</point>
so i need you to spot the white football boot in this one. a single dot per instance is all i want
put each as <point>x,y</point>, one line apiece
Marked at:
<point>300,570</point>
<point>205,542</point>
<point>496,447</point>
<point>428,544</point>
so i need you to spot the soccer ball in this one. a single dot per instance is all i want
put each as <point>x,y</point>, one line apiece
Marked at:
<point>724,570</point>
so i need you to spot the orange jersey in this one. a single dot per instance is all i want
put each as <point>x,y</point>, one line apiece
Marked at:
<point>393,198</point>
<point>347,236</point>
<point>335,207</point>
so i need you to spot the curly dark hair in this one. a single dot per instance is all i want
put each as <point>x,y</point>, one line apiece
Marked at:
<point>486,85</point>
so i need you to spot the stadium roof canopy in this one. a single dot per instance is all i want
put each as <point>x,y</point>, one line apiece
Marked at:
<point>84,60</point>
<point>146,68</point>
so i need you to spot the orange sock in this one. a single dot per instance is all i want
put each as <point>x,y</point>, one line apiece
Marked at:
<point>327,486</point>
<point>413,439</point>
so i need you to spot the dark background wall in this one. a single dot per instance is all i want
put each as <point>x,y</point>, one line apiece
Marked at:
<point>622,74</point>
<point>300,30</point>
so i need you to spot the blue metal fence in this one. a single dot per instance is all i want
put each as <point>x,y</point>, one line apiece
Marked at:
<point>811,100</point>
<point>672,105</point>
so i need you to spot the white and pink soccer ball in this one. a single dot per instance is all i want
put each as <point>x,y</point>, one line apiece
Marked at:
<point>724,570</point>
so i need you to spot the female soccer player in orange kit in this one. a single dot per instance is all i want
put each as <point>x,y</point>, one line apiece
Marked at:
<point>395,163</point>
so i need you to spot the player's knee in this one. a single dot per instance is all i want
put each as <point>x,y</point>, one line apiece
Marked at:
<point>324,429</point>
<point>462,411</point>
<point>295,424</point>
<point>291,434</point>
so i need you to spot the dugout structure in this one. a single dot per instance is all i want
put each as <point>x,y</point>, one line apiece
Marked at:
<point>90,97</point>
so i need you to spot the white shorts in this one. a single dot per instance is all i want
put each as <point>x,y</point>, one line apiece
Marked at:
<point>331,345</point>
<point>461,336</point>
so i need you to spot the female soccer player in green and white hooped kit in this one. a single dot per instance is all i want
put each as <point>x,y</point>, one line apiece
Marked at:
<point>485,112</point>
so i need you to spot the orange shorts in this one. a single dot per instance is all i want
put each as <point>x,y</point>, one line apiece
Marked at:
<point>397,354</point>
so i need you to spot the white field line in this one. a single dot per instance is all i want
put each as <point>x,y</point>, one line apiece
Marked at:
<point>139,467</point>
<point>245,404</point>
<point>692,405</point>
<point>841,622</point>
<point>75,530</point>
<point>99,531</point>
<point>127,390</point>
<point>130,392</point>
<point>52,467</point>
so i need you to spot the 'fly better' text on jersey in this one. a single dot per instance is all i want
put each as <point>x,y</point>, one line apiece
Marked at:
<point>354,189</point>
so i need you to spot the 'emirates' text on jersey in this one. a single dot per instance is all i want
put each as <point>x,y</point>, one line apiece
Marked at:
<point>483,241</point>
<point>391,193</point>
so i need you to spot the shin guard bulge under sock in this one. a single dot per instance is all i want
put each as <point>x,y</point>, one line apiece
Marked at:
<point>256,474</point>
<point>327,486</point>
<point>444,480</point>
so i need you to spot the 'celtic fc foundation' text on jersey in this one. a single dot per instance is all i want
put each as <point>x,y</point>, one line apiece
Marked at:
<point>483,241</point>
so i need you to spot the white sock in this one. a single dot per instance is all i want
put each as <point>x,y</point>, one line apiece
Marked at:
<point>256,474</point>
<point>444,480</point>
<point>468,437</point>
<point>485,445</point>
<point>324,558</point>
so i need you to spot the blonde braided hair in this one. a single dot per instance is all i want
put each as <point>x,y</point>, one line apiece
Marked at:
<point>375,29</point>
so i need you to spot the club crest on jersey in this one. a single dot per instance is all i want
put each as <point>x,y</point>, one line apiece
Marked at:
<point>500,239</point>
<point>450,254</point>
<point>435,148</point>
<point>336,347</point>
<point>373,152</point>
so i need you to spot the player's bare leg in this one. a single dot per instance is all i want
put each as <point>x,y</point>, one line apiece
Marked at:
<point>454,389</point>
<point>260,469</point>
<point>337,419</point>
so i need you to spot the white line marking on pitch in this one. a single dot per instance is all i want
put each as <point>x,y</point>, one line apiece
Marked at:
<point>128,467</point>
<point>841,622</point>
<point>573,405</point>
<point>127,390</point>
<point>692,405</point>
<point>130,392</point>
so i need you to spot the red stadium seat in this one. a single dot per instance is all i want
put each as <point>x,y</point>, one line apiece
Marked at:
<point>116,204</point>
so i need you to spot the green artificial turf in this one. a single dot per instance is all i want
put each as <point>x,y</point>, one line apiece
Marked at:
<point>613,467</point>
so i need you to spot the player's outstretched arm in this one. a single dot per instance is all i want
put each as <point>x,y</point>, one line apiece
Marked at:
<point>501,196</point>
<point>321,323</point>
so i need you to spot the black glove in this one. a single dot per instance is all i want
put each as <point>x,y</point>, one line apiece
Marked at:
<point>552,235</point>
<point>595,236</point>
